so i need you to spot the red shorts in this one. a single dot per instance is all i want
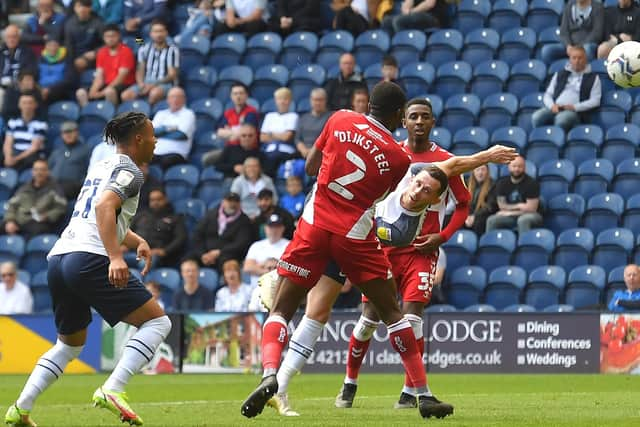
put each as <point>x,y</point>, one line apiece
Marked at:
<point>414,274</point>
<point>305,258</point>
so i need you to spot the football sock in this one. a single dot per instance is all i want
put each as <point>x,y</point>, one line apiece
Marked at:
<point>48,369</point>
<point>416,324</point>
<point>274,338</point>
<point>300,348</point>
<point>358,346</point>
<point>404,342</point>
<point>138,351</point>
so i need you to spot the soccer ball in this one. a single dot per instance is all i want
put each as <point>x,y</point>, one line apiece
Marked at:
<point>623,64</point>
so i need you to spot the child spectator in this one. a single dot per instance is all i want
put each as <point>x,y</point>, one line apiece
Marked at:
<point>293,201</point>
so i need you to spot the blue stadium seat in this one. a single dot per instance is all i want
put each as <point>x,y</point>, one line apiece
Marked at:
<point>407,46</point>
<point>136,105</point>
<point>603,211</point>
<point>627,178</point>
<point>472,14</point>
<point>208,112</point>
<point>498,110</point>
<point>543,13</point>
<point>534,249</point>
<point>573,248</point>
<point>511,136</point>
<point>169,281</point>
<point>480,308</point>
<point>40,291</point>
<point>194,51</point>
<point>417,78</point>
<point>526,77</point>
<point>550,47</point>
<point>559,308</point>
<point>517,44</point>
<point>613,248</point>
<point>519,308</point>
<point>636,252</point>
<point>371,46</point>
<point>94,116</point>
<point>440,308</point>
<point>206,141</point>
<point>303,106</point>
<point>564,212</point>
<point>298,49</point>
<point>437,106</point>
<point>59,112</point>
<point>8,183</point>
<point>443,46</point>
<point>209,278</point>
<point>452,78</point>
<point>495,249</point>
<point>25,277</point>
<point>461,247</point>
<point>442,137</point>
<point>480,45</point>
<point>544,144</point>
<point>332,45</point>
<point>505,286</point>
<point>593,177</point>
<point>583,143</point>
<point>631,218</point>
<point>211,188</point>
<point>555,177</point>
<point>460,111</point>
<point>507,14</point>
<point>400,134</point>
<point>528,105</point>
<point>469,140</point>
<point>199,81</point>
<point>621,142</point>
<point>466,286</point>
<point>11,248</point>
<point>304,78</point>
<point>267,79</point>
<point>584,286</point>
<point>226,50</point>
<point>598,66</point>
<point>193,211</point>
<point>545,286</point>
<point>489,77</point>
<point>34,259</point>
<point>230,75</point>
<point>180,181</point>
<point>86,77</point>
<point>615,282</point>
<point>372,75</point>
<point>262,48</point>
<point>160,105</point>
<point>613,110</point>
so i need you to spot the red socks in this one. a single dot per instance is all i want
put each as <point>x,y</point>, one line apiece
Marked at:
<point>274,339</point>
<point>357,351</point>
<point>407,380</point>
<point>404,342</point>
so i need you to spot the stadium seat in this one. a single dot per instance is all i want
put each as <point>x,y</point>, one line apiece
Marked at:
<point>226,50</point>
<point>480,45</point>
<point>440,308</point>
<point>443,46</point>
<point>505,286</point>
<point>544,144</point>
<point>417,78</point>
<point>517,44</point>
<point>469,140</point>
<point>489,77</point>
<point>603,211</point>
<point>11,248</point>
<point>598,66</point>
<point>230,75</point>
<point>94,117</point>
<point>627,178</point>
<point>534,249</point>
<point>136,105</point>
<point>545,286</point>
<point>209,278</point>
<point>528,105</point>
<point>8,183</point>
<point>332,45</point>
<point>613,109</point>
<point>621,142</point>
<point>519,308</point>
<point>636,252</point>
<point>372,75</point>
<point>24,177</point>
<point>298,49</point>
<point>304,78</point>
<point>25,277</point>
<point>615,282</point>
<point>466,286</point>
<point>59,112</point>
<point>480,308</point>
<point>472,14</point>
<point>35,255</point>
<point>507,14</point>
<point>437,106</point>
<point>169,281</point>
<point>262,48</point>
<point>452,78</point>
<point>593,177</point>
<point>441,136</point>
<point>303,106</point>
<point>526,78</point>
<point>211,189</point>
<point>198,82</point>
<point>461,247</point>
<point>613,248</point>
<point>40,292</point>
<point>573,248</point>
<point>460,111</point>
<point>559,308</point>
<point>400,134</point>
<point>631,218</point>
<point>194,51</point>
<point>86,77</point>
<point>160,105</point>
<point>564,212</point>
<point>407,46</point>
<point>495,249</point>
<point>555,177</point>
<point>192,209</point>
<point>498,110</point>
<point>634,115</point>
<point>267,79</point>
<point>511,136</point>
<point>180,182</point>
<point>208,112</point>
<point>543,13</point>
<point>583,143</point>
<point>584,287</point>
<point>549,47</point>
<point>371,46</point>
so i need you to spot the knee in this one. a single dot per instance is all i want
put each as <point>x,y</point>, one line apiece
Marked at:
<point>161,324</point>
<point>318,313</point>
<point>110,92</point>
<point>128,95</point>
<point>156,94</point>
<point>603,50</point>
<point>416,324</point>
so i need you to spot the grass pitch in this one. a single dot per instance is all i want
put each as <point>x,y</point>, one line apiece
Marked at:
<point>479,400</point>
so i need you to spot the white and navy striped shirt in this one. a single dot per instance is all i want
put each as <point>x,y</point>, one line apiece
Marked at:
<point>158,61</point>
<point>24,133</point>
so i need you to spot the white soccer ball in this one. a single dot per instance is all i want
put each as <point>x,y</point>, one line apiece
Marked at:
<point>623,64</point>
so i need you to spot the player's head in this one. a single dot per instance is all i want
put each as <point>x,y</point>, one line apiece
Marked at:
<point>133,133</point>
<point>386,104</point>
<point>419,119</point>
<point>425,188</point>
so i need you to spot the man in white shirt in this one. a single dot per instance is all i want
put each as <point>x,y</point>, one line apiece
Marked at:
<point>15,296</point>
<point>235,295</point>
<point>264,254</point>
<point>174,128</point>
<point>278,131</point>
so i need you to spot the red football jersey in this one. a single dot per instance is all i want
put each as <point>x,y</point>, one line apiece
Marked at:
<point>361,163</point>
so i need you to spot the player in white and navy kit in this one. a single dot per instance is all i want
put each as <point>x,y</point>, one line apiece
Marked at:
<point>87,270</point>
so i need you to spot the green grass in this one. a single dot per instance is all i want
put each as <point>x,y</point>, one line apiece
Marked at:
<point>479,400</point>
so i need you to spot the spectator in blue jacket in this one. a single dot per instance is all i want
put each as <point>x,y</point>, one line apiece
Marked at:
<point>293,201</point>
<point>140,13</point>
<point>45,23</point>
<point>111,11</point>
<point>628,300</point>
<point>57,76</point>
<point>69,162</point>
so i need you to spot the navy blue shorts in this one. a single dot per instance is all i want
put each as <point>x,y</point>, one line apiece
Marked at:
<point>79,281</point>
<point>333,271</point>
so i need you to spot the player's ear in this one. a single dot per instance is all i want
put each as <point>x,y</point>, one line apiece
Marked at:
<point>404,122</point>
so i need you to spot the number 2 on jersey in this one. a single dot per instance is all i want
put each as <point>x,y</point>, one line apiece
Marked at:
<point>90,189</point>
<point>338,185</point>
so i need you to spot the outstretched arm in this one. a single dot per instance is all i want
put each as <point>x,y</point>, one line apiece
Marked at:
<point>458,165</point>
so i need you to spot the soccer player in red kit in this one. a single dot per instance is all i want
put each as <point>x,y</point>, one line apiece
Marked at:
<point>361,163</point>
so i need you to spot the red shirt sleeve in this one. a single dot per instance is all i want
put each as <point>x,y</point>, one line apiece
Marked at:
<point>460,192</point>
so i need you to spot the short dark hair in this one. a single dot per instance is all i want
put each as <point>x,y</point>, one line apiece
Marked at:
<point>85,3</point>
<point>111,27</point>
<point>359,91</point>
<point>439,175</point>
<point>387,98</point>
<point>419,101</point>
<point>32,93</point>
<point>390,60</point>
<point>158,21</point>
<point>119,129</point>
<point>265,193</point>
<point>239,84</point>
